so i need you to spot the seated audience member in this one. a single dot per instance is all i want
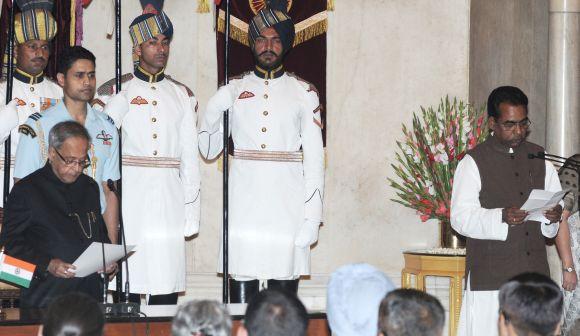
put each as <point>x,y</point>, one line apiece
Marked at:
<point>202,318</point>
<point>73,314</point>
<point>530,304</point>
<point>52,216</point>
<point>409,312</point>
<point>354,294</point>
<point>274,313</point>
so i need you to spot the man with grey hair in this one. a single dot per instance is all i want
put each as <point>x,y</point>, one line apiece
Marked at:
<point>409,312</point>
<point>202,318</point>
<point>52,216</point>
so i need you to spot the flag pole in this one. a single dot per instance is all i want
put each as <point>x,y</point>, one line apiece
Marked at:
<point>118,75</point>
<point>226,137</point>
<point>9,84</point>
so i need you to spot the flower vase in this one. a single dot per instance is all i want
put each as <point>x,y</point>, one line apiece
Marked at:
<point>449,238</point>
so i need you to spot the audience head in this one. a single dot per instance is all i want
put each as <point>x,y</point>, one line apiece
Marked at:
<point>202,318</point>
<point>410,312</point>
<point>274,313</point>
<point>73,314</point>
<point>530,304</point>
<point>354,294</point>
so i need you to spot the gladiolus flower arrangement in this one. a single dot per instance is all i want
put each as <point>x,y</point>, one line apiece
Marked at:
<point>429,154</point>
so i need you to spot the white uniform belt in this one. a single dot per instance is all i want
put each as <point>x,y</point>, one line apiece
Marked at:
<point>155,162</point>
<point>12,159</point>
<point>244,154</point>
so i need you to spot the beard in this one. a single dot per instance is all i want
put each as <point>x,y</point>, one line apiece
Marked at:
<point>273,63</point>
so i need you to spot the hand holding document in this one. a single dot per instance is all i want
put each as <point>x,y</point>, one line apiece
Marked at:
<point>91,260</point>
<point>540,201</point>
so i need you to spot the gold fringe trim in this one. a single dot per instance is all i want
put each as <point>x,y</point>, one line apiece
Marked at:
<point>308,29</point>
<point>330,5</point>
<point>305,30</point>
<point>202,6</point>
<point>73,23</point>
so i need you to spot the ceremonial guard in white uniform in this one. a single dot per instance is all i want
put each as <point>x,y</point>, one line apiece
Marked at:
<point>31,91</point>
<point>161,178</point>
<point>32,153</point>
<point>277,173</point>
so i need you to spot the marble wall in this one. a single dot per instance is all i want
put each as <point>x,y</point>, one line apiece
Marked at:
<point>509,46</point>
<point>385,59</point>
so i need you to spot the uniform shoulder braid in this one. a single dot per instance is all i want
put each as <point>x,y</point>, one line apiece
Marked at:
<point>307,85</point>
<point>108,88</point>
<point>189,92</point>
<point>235,77</point>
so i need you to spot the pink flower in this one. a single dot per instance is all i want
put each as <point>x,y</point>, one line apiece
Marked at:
<point>424,218</point>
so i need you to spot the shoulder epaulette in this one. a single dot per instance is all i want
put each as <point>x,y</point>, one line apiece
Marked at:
<point>310,86</point>
<point>189,92</point>
<point>235,77</point>
<point>108,88</point>
<point>109,119</point>
<point>35,116</point>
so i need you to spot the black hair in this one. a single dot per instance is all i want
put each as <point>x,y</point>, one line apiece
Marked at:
<point>411,312</point>
<point>276,313</point>
<point>505,94</point>
<point>72,54</point>
<point>531,303</point>
<point>74,314</point>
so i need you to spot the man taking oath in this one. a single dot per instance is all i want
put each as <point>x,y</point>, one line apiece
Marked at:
<point>277,173</point>
<point>490,185</point>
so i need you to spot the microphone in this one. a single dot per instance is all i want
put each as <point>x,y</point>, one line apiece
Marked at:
<point>568,162</point>
<point>126,307</point>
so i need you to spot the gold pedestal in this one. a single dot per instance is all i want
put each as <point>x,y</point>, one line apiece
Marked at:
<point>422,264</point>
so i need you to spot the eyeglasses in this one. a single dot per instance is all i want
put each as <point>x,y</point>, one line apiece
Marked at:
<point>70,162</point>
<point>511,125</point>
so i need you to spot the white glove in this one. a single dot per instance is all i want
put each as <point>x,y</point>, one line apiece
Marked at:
<point>307,234</point>
<point>191,220</point>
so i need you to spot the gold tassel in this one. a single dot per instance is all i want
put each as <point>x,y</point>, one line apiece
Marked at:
<point>73,24</point>
<point>330,5</point>
<point>202,6</point>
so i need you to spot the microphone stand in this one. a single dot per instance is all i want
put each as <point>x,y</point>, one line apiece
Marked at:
<point>567,163</point>
<point>107,308</point>
<point>124,308</point>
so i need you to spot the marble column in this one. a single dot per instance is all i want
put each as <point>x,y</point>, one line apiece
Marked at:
<point>563,103</point>
<point>563,107</point>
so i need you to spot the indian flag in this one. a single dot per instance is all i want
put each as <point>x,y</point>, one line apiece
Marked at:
<point>16,271</point>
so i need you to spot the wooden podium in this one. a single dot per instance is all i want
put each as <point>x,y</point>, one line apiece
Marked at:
<point>422,263</point>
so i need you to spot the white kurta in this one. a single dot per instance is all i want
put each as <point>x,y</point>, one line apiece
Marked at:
<point>26,99</point>
<point>479,311</point>
<point>270,199</point>
<point>161,180</point>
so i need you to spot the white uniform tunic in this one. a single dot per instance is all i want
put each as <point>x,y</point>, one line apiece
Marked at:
<point>479,310</point>
<point>29,95</point>
<point>272,190</point>
<point>160,176</point>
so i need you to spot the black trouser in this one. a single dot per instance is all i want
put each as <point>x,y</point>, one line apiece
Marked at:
<point>244,291</point>
<point>164,299</point>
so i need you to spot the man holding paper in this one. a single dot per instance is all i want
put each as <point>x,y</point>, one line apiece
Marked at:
<point>491,184</point>
<point>53,215</point>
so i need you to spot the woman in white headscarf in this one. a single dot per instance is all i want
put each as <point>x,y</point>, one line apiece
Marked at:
<point>568,245</point>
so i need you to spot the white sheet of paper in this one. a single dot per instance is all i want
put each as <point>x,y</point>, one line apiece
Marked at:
<point>91,260</point>
<point>540,201</point>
